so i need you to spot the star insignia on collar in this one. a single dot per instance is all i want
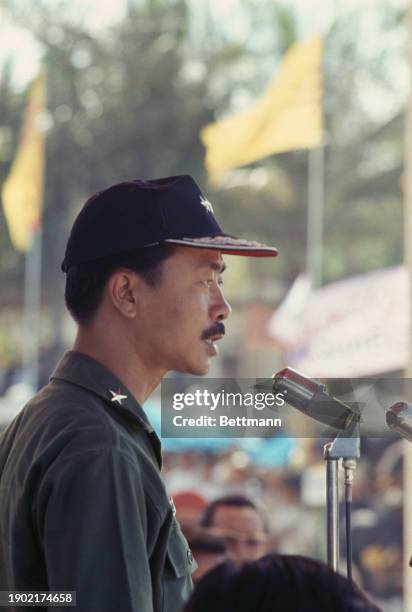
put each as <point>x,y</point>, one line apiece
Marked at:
<point>117,397</point>
<point>205,202</point>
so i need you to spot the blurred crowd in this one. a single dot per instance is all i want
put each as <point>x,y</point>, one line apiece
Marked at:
<point>229,508</point>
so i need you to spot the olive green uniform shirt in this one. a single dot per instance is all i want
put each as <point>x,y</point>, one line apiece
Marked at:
<point>82,504</point>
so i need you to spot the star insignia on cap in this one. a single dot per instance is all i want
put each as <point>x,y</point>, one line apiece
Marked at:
<point>205,202</point>
<point>117,397</point>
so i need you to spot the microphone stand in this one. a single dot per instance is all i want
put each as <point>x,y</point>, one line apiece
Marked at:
<point>311,397</point>
<point>346,449</point>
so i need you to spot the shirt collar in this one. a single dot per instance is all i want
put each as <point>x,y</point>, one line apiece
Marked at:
<point>83,371</point>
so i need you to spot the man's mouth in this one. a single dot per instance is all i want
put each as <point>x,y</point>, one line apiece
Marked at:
<point>212,349</point>
<point>214,334</point>
<point>211,340</point>
<point>211,336</point>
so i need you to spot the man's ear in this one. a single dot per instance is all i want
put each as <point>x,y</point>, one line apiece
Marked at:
<point>123,291</point>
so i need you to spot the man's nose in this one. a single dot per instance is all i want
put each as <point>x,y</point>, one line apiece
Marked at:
<point>220,307</point>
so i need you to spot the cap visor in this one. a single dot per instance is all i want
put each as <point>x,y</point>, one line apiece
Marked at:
<point>228,245</point>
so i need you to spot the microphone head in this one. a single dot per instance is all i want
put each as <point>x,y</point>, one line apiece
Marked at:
<point>311,397</point>
<point>399,419</point>
<point>298,388</point>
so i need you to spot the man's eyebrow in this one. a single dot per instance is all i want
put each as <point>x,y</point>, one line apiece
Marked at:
<point>214,265</point>
<point>219,267</point>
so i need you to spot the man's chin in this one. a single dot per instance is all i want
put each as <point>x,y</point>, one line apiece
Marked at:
<point>195,369</point>
<point>202,371</point>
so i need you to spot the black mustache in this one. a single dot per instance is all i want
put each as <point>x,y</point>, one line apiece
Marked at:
<point>218,329</point>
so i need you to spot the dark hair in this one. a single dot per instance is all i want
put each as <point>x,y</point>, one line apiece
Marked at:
<point>85,282</point>
<point>277,583</point>
<point>233,501</point>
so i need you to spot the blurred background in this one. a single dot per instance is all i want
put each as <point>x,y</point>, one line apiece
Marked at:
<point>96,92</point>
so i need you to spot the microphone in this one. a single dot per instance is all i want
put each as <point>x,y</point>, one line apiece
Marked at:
<point>310,397</point>
<point>399,418</point>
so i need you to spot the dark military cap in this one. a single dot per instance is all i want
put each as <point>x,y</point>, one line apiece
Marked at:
<point>137,214</point>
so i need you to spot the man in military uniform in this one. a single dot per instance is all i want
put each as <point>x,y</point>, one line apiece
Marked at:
<point>82,505</point>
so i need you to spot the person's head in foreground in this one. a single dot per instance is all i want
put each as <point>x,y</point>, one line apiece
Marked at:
<point>277,583</point>
<point>240,524</point>
<point>144,279</point>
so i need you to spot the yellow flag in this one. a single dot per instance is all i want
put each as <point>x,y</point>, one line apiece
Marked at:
<point>22,191</point>
<point>287,117</point>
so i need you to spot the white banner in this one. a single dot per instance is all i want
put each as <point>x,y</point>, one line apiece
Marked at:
<point>355,327</point>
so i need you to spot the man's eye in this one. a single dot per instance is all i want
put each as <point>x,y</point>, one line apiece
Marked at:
<point>209,282</point>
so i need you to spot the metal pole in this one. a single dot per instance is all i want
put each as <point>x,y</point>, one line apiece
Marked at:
<point>349,466</point>
<point>32,311</point>
<point>314,250</point>
<point>332,508</point>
